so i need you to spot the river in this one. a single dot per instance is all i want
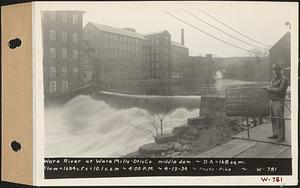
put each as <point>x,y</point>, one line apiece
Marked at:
<point>111,124</point>
<point>89,126</point>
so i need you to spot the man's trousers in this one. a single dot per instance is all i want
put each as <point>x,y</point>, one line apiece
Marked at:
<point>278,123</point>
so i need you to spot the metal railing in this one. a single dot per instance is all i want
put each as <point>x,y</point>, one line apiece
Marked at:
<point>270,116</point>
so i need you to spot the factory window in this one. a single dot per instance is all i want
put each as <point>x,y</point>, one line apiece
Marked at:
<point>64,53</point>
<point>52,35</point>
<point>64,17</point>
<point>64,86</point>
<point>75,37</point>
<point>75,19</point>
<point>156,42</point>
<point>75,69</point>
<point>157,58</point>
<point>52,73</point>
<point>52,86</point>
<point>52,15</point>
<point>166,57</point>
<point>64,36</point>
<point>52,52</point>
<point>75,54</point>
<point>75,72</point>
<point>64,71</point>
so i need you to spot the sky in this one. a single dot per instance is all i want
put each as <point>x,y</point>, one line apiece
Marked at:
<point>262,21</point>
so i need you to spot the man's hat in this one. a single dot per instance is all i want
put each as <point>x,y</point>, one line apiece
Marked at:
<point>276,66</point>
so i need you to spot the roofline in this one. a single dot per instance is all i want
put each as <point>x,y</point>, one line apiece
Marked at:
<point>280,40</point>
<point>155,33</point>
<point>95,24</point>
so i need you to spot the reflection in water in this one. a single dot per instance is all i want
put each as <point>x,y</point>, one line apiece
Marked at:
<point>86,126</point>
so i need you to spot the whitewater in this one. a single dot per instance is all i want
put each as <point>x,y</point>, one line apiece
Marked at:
<point>89,127</point>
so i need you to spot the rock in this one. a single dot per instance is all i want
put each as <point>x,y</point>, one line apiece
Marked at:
<point>152,155</point>
<point>171,145</point>
<point>132,155</point>
<point>186,147</point>
<point>153,148</point>
<point>181,129</point>
<point>177,147</point>
<point>196,120</point>
<point>176,153</point>
<point>165,138</point>
<point>184,141</point>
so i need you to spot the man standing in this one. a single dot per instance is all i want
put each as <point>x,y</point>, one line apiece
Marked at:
<point>277,90</point>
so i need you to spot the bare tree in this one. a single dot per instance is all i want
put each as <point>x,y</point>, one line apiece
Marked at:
<point>162,109</point>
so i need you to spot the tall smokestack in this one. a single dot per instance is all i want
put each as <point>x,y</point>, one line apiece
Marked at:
<point>182,37</point>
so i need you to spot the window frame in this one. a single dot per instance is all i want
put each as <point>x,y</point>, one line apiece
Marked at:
<point>52,54</point>
<point>50,87</point>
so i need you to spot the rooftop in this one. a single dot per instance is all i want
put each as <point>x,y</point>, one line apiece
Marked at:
<point>155,33</point>
<point>118,31</point>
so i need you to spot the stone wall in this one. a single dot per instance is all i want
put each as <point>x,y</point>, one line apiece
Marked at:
<point>212,107</point>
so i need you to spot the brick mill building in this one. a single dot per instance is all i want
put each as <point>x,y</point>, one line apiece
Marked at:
<point>116,59</point>
<point>62,33</point>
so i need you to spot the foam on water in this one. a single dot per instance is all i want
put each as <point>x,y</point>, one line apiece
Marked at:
<point>91,128</point>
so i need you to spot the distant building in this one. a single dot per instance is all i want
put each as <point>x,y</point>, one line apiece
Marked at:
<point>122,60</point>
<point>62,48</point>
<point>88,65</point>
<point>179,54</point>
<point>160,55</point>
<point>120,53</point>
<point>281,53</point>
<point>201,68</point>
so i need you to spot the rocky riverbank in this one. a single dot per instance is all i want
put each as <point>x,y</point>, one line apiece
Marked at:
<point>191,140</point>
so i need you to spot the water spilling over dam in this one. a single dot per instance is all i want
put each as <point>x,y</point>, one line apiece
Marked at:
<point>89,126</point>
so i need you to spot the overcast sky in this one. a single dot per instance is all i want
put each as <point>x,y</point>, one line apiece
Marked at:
<point>264,22</point>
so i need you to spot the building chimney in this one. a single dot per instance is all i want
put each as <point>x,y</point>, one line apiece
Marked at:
<point>182,37</point>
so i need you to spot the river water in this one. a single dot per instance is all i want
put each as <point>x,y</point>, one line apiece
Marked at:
<point>110,125</point>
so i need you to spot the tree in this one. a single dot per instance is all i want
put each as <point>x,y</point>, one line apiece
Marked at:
<point>162,109</point>
<point>159,107</point>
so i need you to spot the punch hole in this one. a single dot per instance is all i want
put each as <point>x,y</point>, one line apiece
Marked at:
<point>16,146</point>
<point>14,43</point>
